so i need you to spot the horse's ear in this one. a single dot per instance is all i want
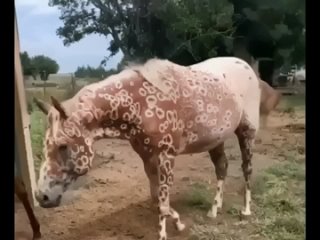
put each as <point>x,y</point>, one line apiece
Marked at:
<point>44,107</point>
<point>57,105</point>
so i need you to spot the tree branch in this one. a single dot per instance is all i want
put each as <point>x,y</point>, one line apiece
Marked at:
<point>107,11</point>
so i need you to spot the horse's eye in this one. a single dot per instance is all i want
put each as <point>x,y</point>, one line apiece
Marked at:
<point>63,148</point>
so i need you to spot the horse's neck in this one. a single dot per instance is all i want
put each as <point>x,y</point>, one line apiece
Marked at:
<point>69,106</point>
<point>94,117</point>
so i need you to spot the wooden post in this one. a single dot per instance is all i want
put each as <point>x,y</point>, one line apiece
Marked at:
<point>44,89</point>
<point>73,84</point>
<point>22,123</point>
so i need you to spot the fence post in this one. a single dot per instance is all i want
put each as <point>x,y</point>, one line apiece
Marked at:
<point>23,148</point>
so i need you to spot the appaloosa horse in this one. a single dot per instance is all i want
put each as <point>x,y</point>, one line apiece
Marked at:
<point>164,110</point>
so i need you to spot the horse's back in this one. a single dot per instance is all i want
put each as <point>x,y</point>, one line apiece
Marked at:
<point>237,74</point>
<point>240,79</point>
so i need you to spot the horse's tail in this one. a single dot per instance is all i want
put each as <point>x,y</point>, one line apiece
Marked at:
<point>255,67</point>
<point>270,97</point>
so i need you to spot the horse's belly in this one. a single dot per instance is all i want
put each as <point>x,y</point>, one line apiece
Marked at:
<point>204,144</point>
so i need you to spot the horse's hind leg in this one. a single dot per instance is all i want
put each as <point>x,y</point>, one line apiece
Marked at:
<point>220,162</point>
<point>150,163</point>
<point>21,193</point>
<point>264,120</point>
<point>246,134</point>
<point>151,169</point>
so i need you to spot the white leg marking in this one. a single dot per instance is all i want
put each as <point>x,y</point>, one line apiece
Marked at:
<point>163,232</point>
<point>246,211</point>
<point>179,225</point>
<point>217,200</point>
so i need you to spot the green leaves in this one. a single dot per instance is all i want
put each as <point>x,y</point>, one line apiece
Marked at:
<point>279,31</point>
<point>142,29</point>
<point>285,21</point>
<point>91,72</point>
<point>200,27</point>
<point>228,42</point>
<point>27,66</point>
<point>37,64</point>
<point>212,53</point>
<point>250,14</point>
<point>185,31</point>
<point>43,63</point>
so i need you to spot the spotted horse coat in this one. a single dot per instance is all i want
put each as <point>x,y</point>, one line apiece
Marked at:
<point>164,110</point>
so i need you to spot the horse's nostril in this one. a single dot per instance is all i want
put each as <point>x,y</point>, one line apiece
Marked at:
<point>45,197</point>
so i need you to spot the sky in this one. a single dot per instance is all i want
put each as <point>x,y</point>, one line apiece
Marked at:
<point>37,25</point>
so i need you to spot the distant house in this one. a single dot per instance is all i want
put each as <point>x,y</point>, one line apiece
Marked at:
<point>293,77</point>
<point>301,75</point>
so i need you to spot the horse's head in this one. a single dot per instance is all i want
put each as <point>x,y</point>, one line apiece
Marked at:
<point>67,150</point>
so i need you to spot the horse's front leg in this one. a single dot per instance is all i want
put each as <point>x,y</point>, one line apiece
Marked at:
<point>150,163</point>
<point>165,169</point>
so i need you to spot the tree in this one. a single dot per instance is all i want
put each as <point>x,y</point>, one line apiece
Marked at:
<point>38,65</point>
<point>285,22</point>
<point>91,72</point>
<point>44,65</point>
<point>187,31</point>
<point>80,72</point>
<point>182,30</point>
<point>196,29</point>
<point>27,66</point>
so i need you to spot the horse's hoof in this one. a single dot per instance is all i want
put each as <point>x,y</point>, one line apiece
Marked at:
<point>244,215</point>
<point>37,236</point>
<point>212,214</point>
<point>180,227</point>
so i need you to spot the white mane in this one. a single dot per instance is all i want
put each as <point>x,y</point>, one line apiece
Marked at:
<point>153,71</point>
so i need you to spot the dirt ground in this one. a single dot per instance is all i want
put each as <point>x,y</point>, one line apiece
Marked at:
<point>112,201</point>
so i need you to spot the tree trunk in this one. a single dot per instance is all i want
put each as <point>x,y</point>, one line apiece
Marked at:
<point>240,49</point>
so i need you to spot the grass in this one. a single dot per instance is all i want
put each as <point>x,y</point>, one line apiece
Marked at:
<point>278,207</point>
<point>60,89</point>
<point>208,232</point>
<point>37,132</point>
<point>59,94</point>
<point>292,103</point>
<point>280,195</point>
<point>199,197</point>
